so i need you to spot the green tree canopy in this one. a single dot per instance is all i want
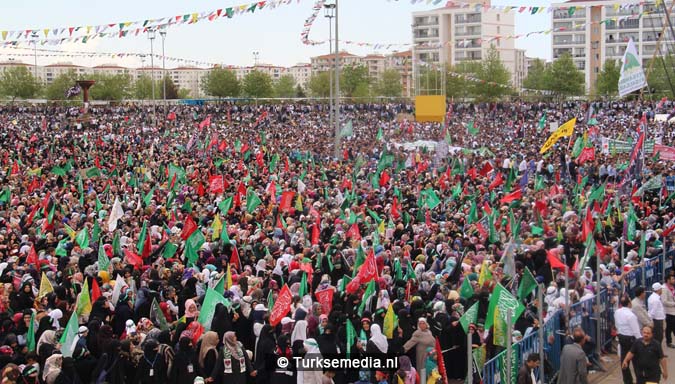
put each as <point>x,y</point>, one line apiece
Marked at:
<point>60,85</point>
<point>143,88</point>
<point>536,76</point>
<point>299,92</point>
<point>658,78</point>
<point>389,84</point>
<point>564,79</point>
<point>258,84</point>
<point>111,87</point>
<point>19,82</point>
<point>607,83</point>
<point>319,84</point>
<point>492,70</point>
<point>172,91</point>
<point>221,82</point>
<point>285,86</point>
<point>353,77</point>
<point>456,84</point>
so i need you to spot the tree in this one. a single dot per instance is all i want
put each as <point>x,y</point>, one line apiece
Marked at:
<point>607,83</point>
<point>183,93</point>
<point>258,84</point>
<point>353,77</point>
<point>60,85</point>
<point>111,87</point>
<point>563,77</point>
<point>492,71</point>
<point>221,82</point>
<point>319,84</point>
<point>389,84</point>
<point>659,80</point>
<point>172,90</point>
<point>19,82</point>
<point>143,88</point>
<point>285,86</point>
<point>536,76</point>
<point>456,82</point>
<point>430,81</point>
<point>299,92</point>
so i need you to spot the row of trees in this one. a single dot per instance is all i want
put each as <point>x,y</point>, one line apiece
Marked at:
<point>355,82</point>
<point>221,82</point>
<point>19,82</point>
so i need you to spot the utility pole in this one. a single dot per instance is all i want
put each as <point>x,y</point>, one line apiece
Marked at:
<point>330,14</point>
<point>35,69</point>
<point>163,34</point>
<point>151,36</point>
<point>337,83</point>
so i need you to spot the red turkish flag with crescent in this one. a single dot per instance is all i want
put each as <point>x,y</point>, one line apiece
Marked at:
<point>281,306</point>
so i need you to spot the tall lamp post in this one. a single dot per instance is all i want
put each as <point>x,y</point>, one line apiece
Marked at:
<point>337,83</point>
<point>151,36</point>
<point>163,34</point>
<point>256,54</point>
<point>34,36</point>
<point>329,10</point>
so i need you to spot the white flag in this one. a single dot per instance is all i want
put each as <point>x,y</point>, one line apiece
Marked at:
<point>632,76</point>
<point>69,337</point>
<point>301,186</point>
<point>115,214</point>
<point>119,284</point>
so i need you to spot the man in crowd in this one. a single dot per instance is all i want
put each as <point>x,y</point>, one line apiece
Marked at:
<point>650,363</point>
<point>628,330</point>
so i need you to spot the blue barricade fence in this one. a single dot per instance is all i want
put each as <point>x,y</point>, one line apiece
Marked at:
<point>584,314</point>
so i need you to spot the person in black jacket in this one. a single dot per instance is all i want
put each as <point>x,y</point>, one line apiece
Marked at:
<point>123,313</point>
<point>264,352</point>
<point>184,369</point>
<point>152,368</point>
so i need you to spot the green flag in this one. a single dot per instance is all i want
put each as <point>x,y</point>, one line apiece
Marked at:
<point>141,238</point>
<point>148,197</point>
<point>643,245</point>
<point>542,122</point>
<point>473,131</point>
<point>527,284</point>
<point>350,335</point>
<point>92,172</point>
<point>469,317</point>
<point>80,190</point>
<point>58,171</point>
<point>225,205</point>
<point>30,336</point>
<point>5,195</point>
<point>117,247</point>
<point>431,198</point>
<point>380,134</point>
<point>83,307</point>
<point>169,250</point>
<point>367,295</point>
<point>597,195</point>
<point>630,225</point>
<point>303,285</point>
<point>209,307</point>
<point>67,340</point>
<point>157,317</point>
<point>502,300</point>
<point>466,290</point>
<point>95,232</point>
<point>82,238</point>
<point>347,129</point>
<point>252,201</point>
<point>103,261</point>
<point>220,286</point>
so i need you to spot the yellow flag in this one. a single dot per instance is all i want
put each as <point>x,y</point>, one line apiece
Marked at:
<point>400,381</point>
<point>298,203</point>
<point>564,130</point>
<point>83,307</point>
<point>45,287</point>
<point>380,227</point>
<point>228,278</point>
<point>217,227</point>
<point>485,274</point>
<point>389,323</point>
<point>70,231</point>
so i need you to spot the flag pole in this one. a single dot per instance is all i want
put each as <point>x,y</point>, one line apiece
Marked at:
<point>509,343</point>
<point>469,358</point>
<point>540,315</point>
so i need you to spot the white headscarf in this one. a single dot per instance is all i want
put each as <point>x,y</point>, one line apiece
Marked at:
<point>299,331</point>
<point>56,315</point>
<point>311,346</point>
<point>378,338</point>
<point>383,300</point>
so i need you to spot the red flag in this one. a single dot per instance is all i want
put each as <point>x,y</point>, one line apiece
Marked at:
<point>32,257</point>
<point>345,154</point>
<point>188,228</point>
<point>346,184</point>
<point>286,164</point>
<point>286,201</point>
<point>384,178</point>
<point>315,234</point>
<point>499,180</point>
<point>147,246</point>
<point>472,173</point>
<point>43,124</point>
<point>367,270</point>
<point>29,219</point>
<point>205,123</point>
<point>440,362</point>
<point>487,168</point>
<point>517,195</point>
<point>216,184</point>
<point>354,232</point>
<point>95,290</point>
<point>34,184</point>
<point>668,231</point>
<point>281,306</point>
<point>588,225</point>
<point>234,258</point>
<point>171,116</point>
<point>133,258</point>
<point>325,298</point>
<point>45,202</point>
<point>15,168</point>
<point>173,181</point>
<point>394,209</point>
<point>554,261</point>
<point>200,189</point>
<point>241,189</point>
<point>586,155</point>
<point>272,190</point>
<point>259,159</point>
<point>487,208</point>
<point>223,145</point>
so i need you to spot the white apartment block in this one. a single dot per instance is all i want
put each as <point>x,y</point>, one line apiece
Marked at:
<point>459,33</point>
<point>301,72</point>
<point>592,44</point>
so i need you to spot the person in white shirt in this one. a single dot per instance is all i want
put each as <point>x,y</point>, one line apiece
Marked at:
<point>628,328</point>
<point>668,300</point>
<point>656,311</point>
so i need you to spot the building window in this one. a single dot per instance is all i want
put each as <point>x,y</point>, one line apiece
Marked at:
<point>498,20</point>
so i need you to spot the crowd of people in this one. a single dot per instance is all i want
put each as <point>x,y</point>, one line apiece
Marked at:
<point>118,224</point>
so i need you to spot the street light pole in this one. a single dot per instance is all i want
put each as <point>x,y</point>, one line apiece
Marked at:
<point>151,36</point>
<point>255,58</point>
<point>337,84</point>
<point>35,37</point>
<point>330,13</point>
<point>163,34</point>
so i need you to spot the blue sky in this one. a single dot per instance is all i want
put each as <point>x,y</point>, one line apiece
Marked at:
<point>273,33</point>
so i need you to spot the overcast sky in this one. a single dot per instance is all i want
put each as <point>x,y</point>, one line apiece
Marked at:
<point>274,33</point>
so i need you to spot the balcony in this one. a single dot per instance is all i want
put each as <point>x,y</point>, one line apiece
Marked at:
<point>569,41</point>
<point>564,14</point>
<point>466,19</point>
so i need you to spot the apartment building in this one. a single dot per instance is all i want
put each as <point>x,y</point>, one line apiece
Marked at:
<point>596,31</point>
<point>301,72</point>
<point>461,32</point>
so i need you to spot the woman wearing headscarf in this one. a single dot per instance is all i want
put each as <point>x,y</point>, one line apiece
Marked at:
<point>151,369</point>
<point>310,376</point>
<point>298,336</point>
<point>110,368</point>
<point>208,353</point>
<point>406,372</point>
<point>221,322</point>
<point>283,349</point>
<point>123,313</point>
<point>184,369</point>
<point>52,368</point>
<point>233,362</point>
<point>377,344</point>
<point>420,341</point>
<point>191,311</point>
<point>263,353</point>
<point>23,299</point>
<point>68,375</point>
<point>46,345</point>
<point>188,292</point>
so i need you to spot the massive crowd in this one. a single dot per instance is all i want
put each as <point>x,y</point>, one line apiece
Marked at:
<point>130,220</point>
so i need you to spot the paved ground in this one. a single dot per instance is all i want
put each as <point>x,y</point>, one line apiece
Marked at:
<point>613,375</point>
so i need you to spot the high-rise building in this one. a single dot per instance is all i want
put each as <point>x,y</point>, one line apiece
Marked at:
<point>461,32</point>
<point>593,32</point>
